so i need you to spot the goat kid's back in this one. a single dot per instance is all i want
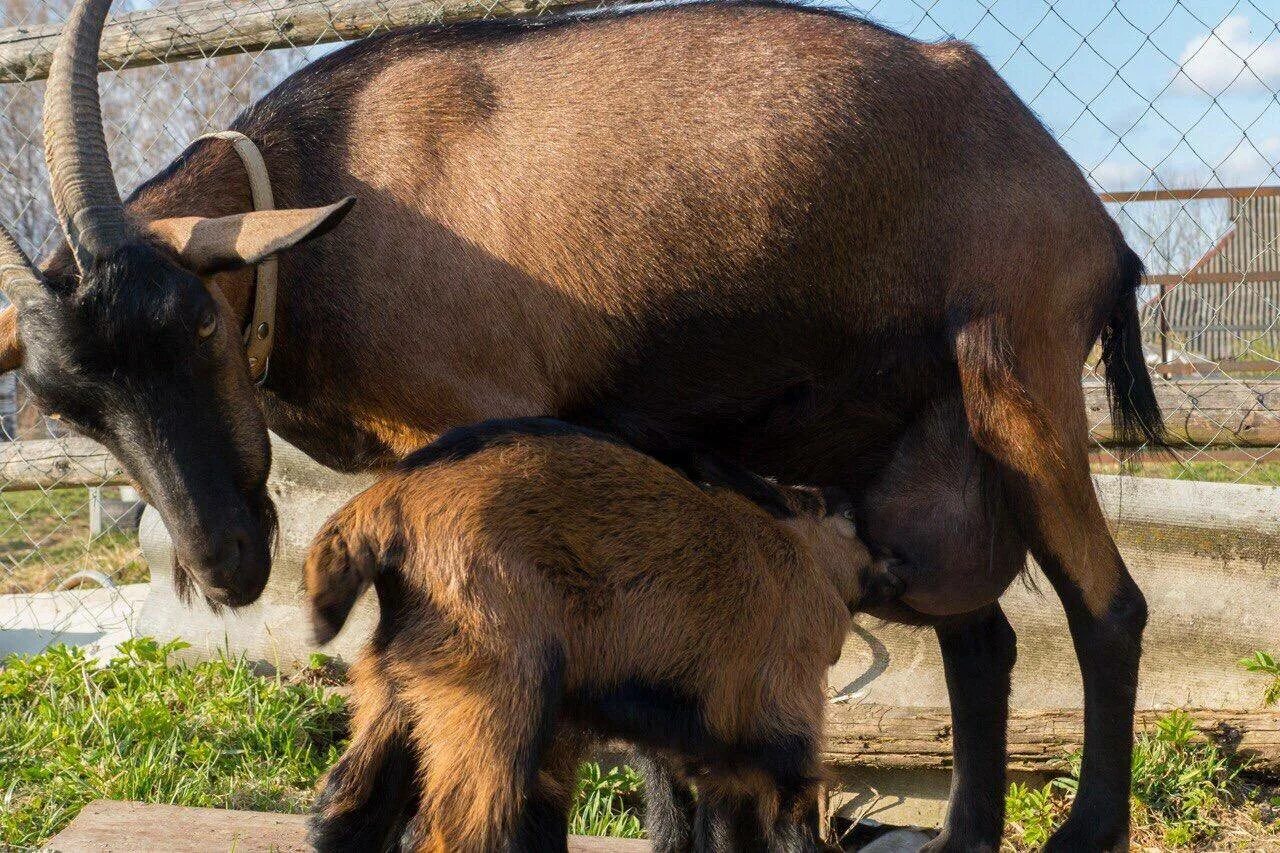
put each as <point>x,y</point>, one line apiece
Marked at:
<point>587,547</point>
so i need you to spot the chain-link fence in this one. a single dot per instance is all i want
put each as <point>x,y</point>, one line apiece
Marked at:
<point>1170,108</point>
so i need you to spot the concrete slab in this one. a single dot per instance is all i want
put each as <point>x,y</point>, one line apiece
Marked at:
<point>107,826</point>
<point>97,618</point>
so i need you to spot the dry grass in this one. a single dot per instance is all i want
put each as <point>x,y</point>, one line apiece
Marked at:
<point>44,539</point>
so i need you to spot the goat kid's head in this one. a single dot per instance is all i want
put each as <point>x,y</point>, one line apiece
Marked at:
<point>125,339</point>
<point>825,521</point>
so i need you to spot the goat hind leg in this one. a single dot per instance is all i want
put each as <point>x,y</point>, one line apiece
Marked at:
<point>485,724</point>
<point>1033,423</point>
<point>978,656</point>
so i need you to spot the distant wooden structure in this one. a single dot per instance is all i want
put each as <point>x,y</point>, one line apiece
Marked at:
<point>1226,307</point>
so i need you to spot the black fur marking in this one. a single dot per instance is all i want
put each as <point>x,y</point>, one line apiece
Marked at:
<point>727,824</point>
<point>701,465</point>
<point>461,442</point>
<point>543,824</point>
<point>377,822</point>
<point>543,827</point>
<point>654,716</point>
<point>669,806</point>
<point>789,760</point>
<point>529,758</point>
<point>394,596</point>
<point>661,717</point>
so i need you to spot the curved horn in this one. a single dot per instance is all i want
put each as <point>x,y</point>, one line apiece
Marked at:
<point>18,277</point>
<point>75,147</point>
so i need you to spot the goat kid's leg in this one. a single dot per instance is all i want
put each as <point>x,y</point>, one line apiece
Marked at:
<point>728,821</point>
<point>544,820</point>
<point>364,796</point>
<point>977,655</point>
<point>668,804</point>
<point>1034,424</point>
<point>484,725</point>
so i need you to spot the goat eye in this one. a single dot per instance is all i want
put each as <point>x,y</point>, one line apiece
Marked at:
<point>208,323</point>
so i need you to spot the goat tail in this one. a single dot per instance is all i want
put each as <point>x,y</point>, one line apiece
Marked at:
<point>344,560</point>
<point>1135,412</point>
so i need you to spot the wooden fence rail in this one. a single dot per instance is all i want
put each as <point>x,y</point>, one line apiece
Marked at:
<point>207,28</point>
<point>56,462</point>
<point>1204,412</point>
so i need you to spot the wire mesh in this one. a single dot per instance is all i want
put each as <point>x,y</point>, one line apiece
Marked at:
<point>1170,108</point>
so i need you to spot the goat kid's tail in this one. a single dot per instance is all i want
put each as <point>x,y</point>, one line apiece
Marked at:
<point>344,560</point>
<point>1135,412</point>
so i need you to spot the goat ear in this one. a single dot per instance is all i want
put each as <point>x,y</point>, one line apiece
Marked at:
<point>207,246</point>
<point>10,345</point>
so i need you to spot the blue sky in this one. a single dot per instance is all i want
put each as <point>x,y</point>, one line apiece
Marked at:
<point>1185,89</point>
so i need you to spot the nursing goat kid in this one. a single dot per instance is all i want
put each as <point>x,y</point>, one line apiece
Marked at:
<point>545,588</point>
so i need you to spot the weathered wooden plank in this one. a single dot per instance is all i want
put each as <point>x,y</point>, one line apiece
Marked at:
<point>54,462</point>
<point>885,737</point>
<point>1204,412</point>
<point>107,826</point>
<point>1252,277</point>
<point>1188,194</point>
<point>207,28</point>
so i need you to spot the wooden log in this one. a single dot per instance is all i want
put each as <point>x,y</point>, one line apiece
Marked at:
<point>56,462</point>
<point>1203,412</point>
<point>207,28</point>
<point>107,826</point>
<point>894,738</point>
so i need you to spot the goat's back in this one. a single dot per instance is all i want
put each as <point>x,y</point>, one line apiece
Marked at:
<point>677,210</point>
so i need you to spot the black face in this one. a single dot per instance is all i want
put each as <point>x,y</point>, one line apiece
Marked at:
<point>143,358</point>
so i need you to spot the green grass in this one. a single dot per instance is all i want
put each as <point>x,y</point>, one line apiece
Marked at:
<point>1181,784</point>
<point>1211,471</point>
<point>607,803</point>
<point>1186,793</point>
<point>44,538</point>
<point>1266,664</point>
<point>208,734</point>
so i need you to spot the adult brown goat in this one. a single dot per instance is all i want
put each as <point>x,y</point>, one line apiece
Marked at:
<point>658,223</point>
<point>538,586</point>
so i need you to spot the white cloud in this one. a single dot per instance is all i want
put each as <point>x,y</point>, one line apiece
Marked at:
<point>1229,58</point>
<point>1251,164</point>
<point>1116,176</point>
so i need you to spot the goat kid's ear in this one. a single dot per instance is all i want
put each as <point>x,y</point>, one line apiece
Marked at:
<point>207,246</point>
<point>10,345</point>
